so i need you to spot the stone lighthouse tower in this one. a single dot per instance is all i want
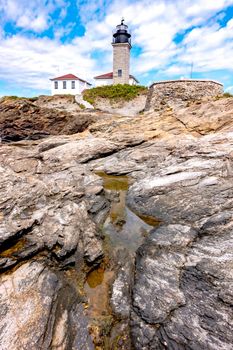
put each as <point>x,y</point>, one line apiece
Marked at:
<point>121,54</point>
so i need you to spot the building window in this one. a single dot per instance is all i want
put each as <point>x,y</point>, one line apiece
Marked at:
<point>56,85</point>
<point>64,84</point>
<point>73,84</point>
<point>119,72</point>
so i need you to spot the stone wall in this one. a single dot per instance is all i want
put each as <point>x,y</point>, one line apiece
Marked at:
<point>178,93</point>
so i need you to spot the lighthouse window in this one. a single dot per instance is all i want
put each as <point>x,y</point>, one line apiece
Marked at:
<point>64,84</point>
<point>119,72</point>
<point>73,84</point>
<point>56,85</point>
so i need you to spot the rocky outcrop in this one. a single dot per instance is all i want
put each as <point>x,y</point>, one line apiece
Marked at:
<point>47,232</point>
<point>177,299</point>
<point>175,291</point>
<point>121,107</point>
<point>63,103</point>
<point>40,311</point>
<point>22,119</point>
<point>180,281</point>
<point>186,185</point>
<point>182,270</point>
<point>194,121</point>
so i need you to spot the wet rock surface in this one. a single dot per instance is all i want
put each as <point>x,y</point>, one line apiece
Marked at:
<point>144,217</point>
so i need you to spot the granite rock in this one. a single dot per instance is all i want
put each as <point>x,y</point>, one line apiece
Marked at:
<point>175,292</point>
<point>39,311</point>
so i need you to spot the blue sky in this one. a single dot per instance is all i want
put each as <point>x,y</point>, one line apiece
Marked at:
<point>40,39</point>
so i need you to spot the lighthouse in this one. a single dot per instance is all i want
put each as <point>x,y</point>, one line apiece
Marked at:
<point>121,44</point>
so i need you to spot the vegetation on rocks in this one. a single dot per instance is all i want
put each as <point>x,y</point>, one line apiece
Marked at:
<point>114,92</point>
<point>81,105</point>
<point>227,94</point>
<point>13,98</point>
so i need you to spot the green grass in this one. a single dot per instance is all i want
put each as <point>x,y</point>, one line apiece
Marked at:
<point>13,98</point>
<point>81,106</point>
<point>5,98</point>
<point>227,94</point>
<point>117,92</point>
<point>32,99</point>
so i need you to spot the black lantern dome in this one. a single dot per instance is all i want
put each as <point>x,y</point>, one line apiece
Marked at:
<point>121,34</point>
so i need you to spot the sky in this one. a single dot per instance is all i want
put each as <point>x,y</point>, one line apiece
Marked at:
<point>42,39</point>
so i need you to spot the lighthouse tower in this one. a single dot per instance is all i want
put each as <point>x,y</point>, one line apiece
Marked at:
<point>121,54</point>
<point>121,43</point>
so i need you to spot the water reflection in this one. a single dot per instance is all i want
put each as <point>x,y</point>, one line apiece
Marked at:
<point>97,291</point>
<point>124,232</point>
<point>95,277</point>
<point>127,230</point>
<point>124,228</point>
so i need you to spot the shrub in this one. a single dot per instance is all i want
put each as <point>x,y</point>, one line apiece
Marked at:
<point>227,94</point>
<point>7,98</point>
<point>117,92</point>
<point>81,106</point>
<point>32,99</point>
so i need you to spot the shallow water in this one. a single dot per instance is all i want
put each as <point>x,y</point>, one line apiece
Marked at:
<point>97,290</point>
<point>113,182</point>
<point>124,232</point>
<point>124,228</point>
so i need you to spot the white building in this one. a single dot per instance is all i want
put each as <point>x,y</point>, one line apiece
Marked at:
<point>107,79</point>
<point>68,84</point>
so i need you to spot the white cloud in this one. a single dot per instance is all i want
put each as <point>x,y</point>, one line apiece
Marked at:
<point>31,15</point>
<point>38,24</point>
<point>209,48</point>
<point>38,60</point>
<point>201,7</point>
<point>229,89</point>
<point>92,10</point>
<point>154,24</point>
